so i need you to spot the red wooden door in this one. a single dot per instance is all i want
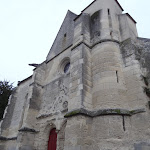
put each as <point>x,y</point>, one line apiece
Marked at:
<point>52,140</point>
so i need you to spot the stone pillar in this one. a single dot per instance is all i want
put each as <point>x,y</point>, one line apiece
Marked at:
<point>114,25</point>
<point>78,133</point>
<point>28,129</point>
<point>105,25</point>
<point>109,91</point>
<point>80,73</point>
<point>25,139</point>
<point>80,78</point>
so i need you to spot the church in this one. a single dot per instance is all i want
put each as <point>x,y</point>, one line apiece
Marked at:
<point>91,93</point>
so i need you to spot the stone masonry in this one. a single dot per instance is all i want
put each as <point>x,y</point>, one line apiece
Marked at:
<point>93,87</point>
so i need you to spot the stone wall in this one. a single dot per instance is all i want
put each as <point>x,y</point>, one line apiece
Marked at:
<point>102,102</point>
<point>15,111</point>
<point>108,82</point>
<point>135,73</point>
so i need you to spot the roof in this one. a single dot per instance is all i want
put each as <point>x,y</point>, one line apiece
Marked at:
<point>20,82</point>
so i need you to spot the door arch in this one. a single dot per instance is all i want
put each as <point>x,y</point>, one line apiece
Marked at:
<point>52,142</point>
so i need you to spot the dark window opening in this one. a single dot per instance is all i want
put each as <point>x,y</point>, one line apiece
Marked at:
<point>66,68</point>
<point>95,24</point>
<point>123,122</point>
<point>117,76</point>
<point>111,34</point>
<point>108,12</point>
<point>109,19</point>
<point>65,34</point>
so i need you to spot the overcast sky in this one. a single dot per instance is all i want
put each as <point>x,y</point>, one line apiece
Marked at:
<point>29,27</point>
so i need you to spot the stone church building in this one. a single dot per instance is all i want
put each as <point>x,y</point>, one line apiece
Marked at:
<point>91,93</point>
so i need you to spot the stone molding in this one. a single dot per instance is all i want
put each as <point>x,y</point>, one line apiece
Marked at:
<point>50,114</point>
<point>103,112</point>
<point>26,129</point>
<point>89,46</point>
<point>93,45</point>
<point>34,83</point>
<point>2,138</point>
<point>47,61</point>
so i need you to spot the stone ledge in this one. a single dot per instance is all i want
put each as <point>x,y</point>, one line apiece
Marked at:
<point>26,129</point>
<point>137,111</point>
<point>42,116</point>
<point>34,83</point>
<point>105,40</point>
<point>2,138</point>
<point>47,61</point>
<point>103,112</point>
<point>93,45</point>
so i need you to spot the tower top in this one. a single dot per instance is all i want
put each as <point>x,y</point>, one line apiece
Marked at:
<point>100,20</point>
<point>97,0</point>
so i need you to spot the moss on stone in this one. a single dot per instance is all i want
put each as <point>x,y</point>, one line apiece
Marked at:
<point>103,112</point>
<point>72,113</point>
<point>127,41</point>
<point>132,111</point>
<point>117,111</point>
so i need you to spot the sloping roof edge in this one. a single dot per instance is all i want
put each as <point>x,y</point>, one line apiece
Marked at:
<point>96,0</point>
<point>131,17</point>
<point>92,3</point>
<point>88,6</point>
<point>20,82</point>
<point>119,5</point>
<point>47,57</point>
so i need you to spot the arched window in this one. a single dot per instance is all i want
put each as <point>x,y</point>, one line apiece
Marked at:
<point>52,143</point>
<point>66,68</point>
<point>65,65</point>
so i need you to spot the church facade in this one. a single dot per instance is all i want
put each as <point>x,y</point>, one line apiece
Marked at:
<point>91,93</point>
